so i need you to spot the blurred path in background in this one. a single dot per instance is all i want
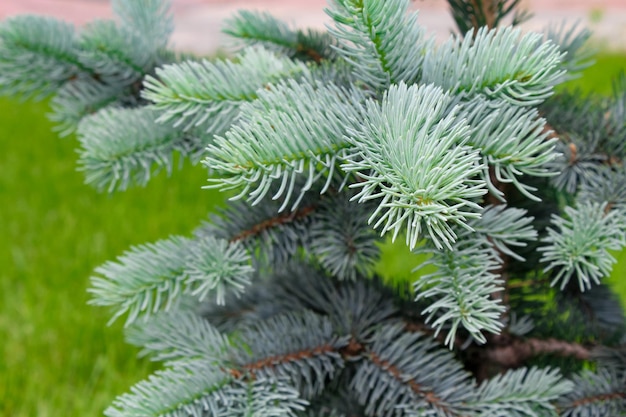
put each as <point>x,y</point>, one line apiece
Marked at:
<point>198,22</point>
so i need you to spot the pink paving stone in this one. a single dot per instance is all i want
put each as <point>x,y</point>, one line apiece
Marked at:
<point>77,12</point>
<point>198,22</point>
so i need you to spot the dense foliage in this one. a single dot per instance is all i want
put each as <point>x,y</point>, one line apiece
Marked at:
<point>327,143</point>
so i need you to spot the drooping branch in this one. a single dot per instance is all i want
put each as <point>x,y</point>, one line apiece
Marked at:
<point>599,398</point>
<point>423,392</point>
<point>301,355</point>
<point>518,351</point>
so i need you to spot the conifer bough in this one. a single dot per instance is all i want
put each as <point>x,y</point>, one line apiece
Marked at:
<point>328,143</point>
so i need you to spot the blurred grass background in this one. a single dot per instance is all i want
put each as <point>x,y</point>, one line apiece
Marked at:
<point>58,356</point>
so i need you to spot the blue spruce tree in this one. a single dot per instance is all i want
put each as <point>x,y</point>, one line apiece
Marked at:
<point>326,144</point>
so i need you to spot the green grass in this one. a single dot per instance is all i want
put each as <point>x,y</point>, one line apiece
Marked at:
<point>597,79</point>
<point>58,358</point>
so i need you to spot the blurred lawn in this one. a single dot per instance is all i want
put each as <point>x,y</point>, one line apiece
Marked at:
<point>598,79</point>
<point>58,357</point>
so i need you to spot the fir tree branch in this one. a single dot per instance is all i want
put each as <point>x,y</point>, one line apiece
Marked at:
<point>581,246</point>
<point>208,95</point>
<point>386,382</point>
<point>217,267</point>
<point>262,28</point>
<point>416,165</point>
<point>612,358</point>
<point>179,336</point>
<point>292,131</point>
<point>575,165</point>
<point>381,40</point>
<point>341,239</point>
<point>114,54</point>
<point>262,300</point>
<point>80,98</point>
<point>146,278</point>
<point>595,393</point>
<point>599,398</point>
<point>505,227</point>
<point>423,392</point>
<point>301,355</point>
<point>609,185</point>
<point>171,393</point>
<point>200,388</point>
<point>500,64</point>
<point>356,308</point>
<point>280,219</point>
<point>272,236</point>
<point>151,20</point>
<point>331,228</point>
<point>37,56</point>
<point>512,141</point>
<point>151,277</point>
<point>299,346</point>
<point>121,147</point>
<point>325,412</point>
<point>592,136</point>
<point>602,308</point>
<point>461,291</point>
<point>573,42</point>
<point>519,392</point>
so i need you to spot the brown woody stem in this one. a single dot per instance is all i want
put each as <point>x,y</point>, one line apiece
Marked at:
<point>518,351</point>
<point>273,222</point>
